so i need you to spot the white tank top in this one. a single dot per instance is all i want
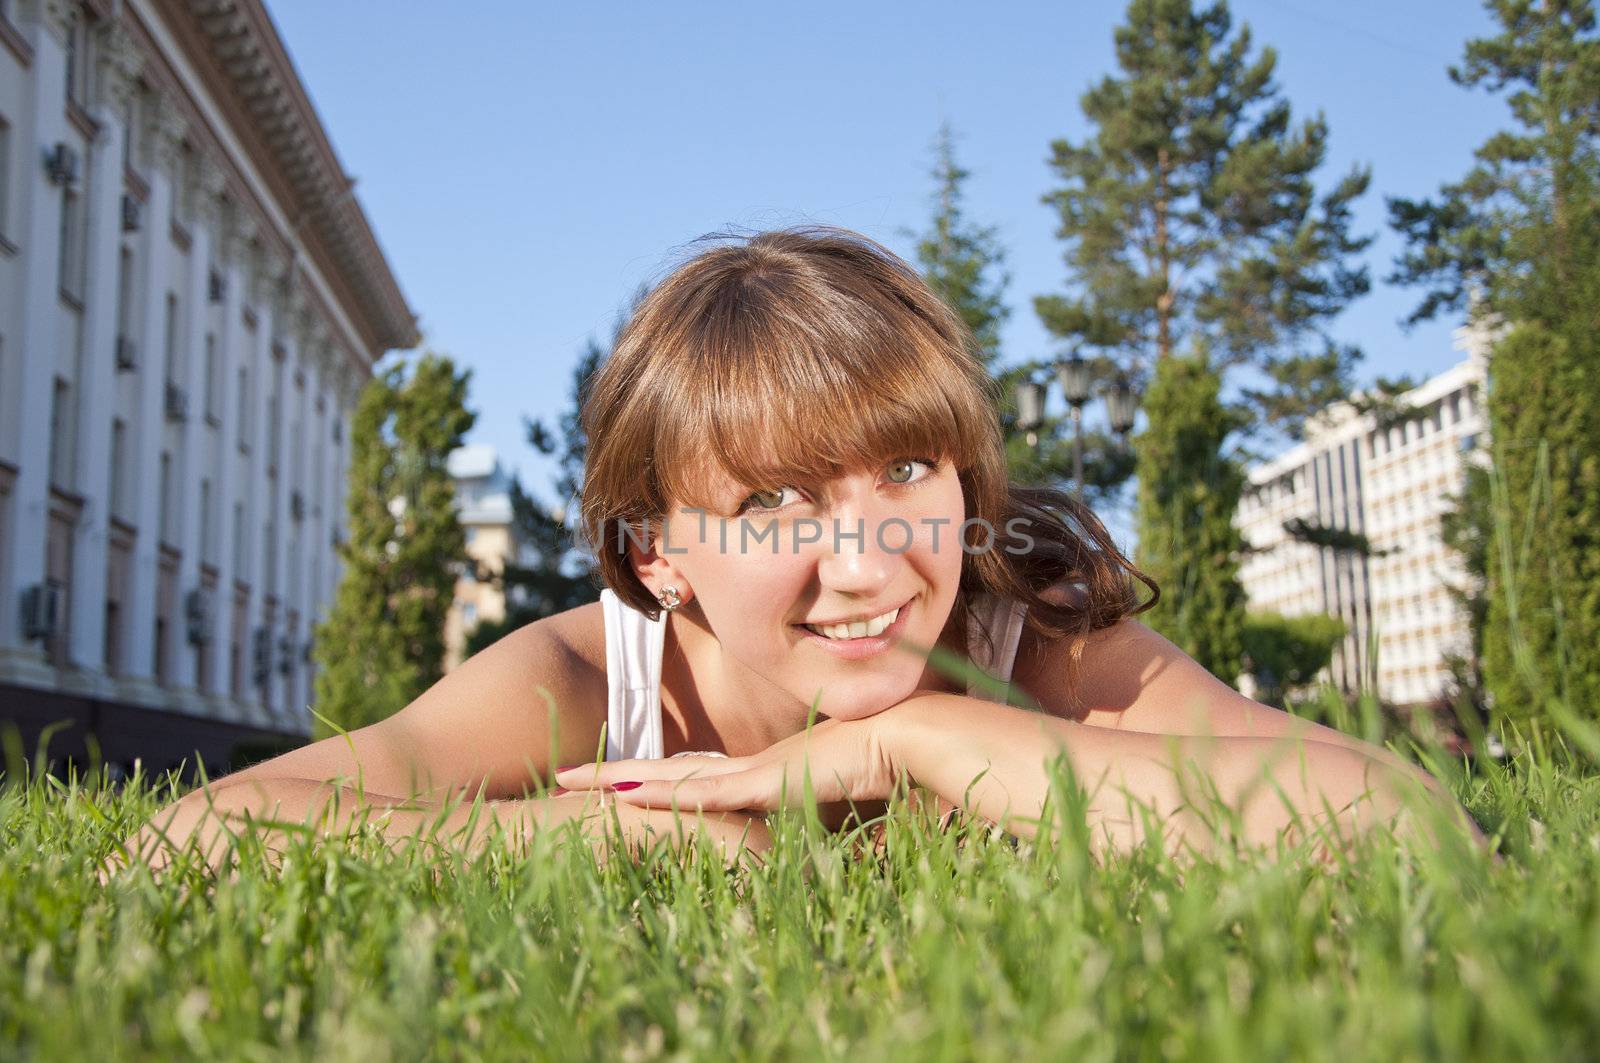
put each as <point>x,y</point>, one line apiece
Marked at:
<point>633,667</point>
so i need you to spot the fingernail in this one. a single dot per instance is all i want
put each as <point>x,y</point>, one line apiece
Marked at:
<point>625,785</point>
<point>569,767</point>
<point>557,791</point>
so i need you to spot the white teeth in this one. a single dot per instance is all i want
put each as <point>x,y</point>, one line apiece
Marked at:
<point>856,630</point>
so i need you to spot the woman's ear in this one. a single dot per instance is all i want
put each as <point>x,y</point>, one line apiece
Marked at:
<point>654,567</point>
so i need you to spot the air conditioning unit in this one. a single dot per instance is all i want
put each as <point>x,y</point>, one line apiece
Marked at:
<point>41,610</point>
<point>197,611</point>
<point>127,354</point>
<point>216,287</point>
<point>61,164</point>
<point>262,656</point>
<point>131,210</point>
<point>177,403</point>
<point>297,505</point>
<point>285,655</point>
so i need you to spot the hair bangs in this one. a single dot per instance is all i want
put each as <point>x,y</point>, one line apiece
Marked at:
<point>782,398</point>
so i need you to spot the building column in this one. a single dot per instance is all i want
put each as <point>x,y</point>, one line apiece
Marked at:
<point>117,67</point>
<point>21,659</point>
<point>267,283</point>
<point>342,396</point>
<point>164,129</point>
<point>313,544</point>
<point>232,352</point>
<point>289,712</point>
<point>188,462</point>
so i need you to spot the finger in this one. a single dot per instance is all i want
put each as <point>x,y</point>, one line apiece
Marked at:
<point>729,792</point>
<point>598,776</point>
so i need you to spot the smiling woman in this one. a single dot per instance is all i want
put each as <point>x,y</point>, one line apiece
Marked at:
<point>797,494</point>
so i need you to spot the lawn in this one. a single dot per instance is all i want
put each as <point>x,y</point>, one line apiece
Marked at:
<point>960,945</point>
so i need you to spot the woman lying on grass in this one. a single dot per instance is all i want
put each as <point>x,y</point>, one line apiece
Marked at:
<point>796,490</point>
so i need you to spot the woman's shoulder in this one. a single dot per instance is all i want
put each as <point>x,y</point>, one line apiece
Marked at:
<point>581,630</point>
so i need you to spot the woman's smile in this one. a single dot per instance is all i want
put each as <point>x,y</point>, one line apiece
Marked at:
<point>862,647</point>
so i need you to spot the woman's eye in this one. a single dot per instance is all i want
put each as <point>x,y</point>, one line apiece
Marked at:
<point>758,500</point>
<point>909,465</point>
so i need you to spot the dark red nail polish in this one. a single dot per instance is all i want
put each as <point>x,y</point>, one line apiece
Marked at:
<point>568,767</point>
<point>625,785</point>
<point>558,791</point>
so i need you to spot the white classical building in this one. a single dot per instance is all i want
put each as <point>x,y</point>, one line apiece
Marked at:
<point>190,300</point>
<point>1389,482</point>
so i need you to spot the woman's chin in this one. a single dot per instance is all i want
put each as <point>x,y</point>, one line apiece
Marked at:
<point>857,707</point>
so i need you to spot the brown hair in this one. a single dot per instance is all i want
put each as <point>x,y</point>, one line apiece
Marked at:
<point>770,346</point>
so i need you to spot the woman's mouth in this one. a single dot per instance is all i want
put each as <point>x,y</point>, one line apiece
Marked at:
<point>854,642</point>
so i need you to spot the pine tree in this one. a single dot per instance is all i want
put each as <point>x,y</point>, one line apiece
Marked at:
<point>383,641</point>
<point>546,583</point>
<point>1187,539</point>
<point>362,671</point>
<point>964,262</point>
<point>1516,243</point>
<point>559,575</point>
<point>1192,223</point>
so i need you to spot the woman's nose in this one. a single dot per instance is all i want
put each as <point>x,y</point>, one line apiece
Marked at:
<point>861,550</point>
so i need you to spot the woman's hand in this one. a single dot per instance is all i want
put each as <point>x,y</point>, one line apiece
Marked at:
<point>848,760</point>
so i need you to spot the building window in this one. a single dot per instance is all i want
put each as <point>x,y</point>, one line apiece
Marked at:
<point>119,447</point>
<point>172,338</point>
<point>78,62</point>
<point>244,410</point>
<point>125,295</point>
<point>113,643</point>
<point>164,499</point>
<point>212,376</point>
<point>61,434</point>
<point>238,540</point>
<point>205,522</point>
<point>5,176</point>
<point>70,259</point>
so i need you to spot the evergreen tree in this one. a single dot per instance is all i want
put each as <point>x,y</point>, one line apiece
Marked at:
<point>558,575</point>
<point>962,261</point>
<point>383,641</point>
<point>1187,539</point>
<point>542,585</point>
<point>362,671</point>
<point>1192,222</point>
<point>1466,527</point>
<point>1516,243</point>
<point>1285,653</point>
<point>965,264</point>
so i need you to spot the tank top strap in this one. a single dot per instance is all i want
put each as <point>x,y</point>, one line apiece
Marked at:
<point>1002,620</point>
<point>633,680</point>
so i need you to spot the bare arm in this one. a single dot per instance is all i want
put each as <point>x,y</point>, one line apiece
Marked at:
<point>498,722</point>
<point>205,822</point>
<point>501,720</point>
<point>1131,678</point>
<point>992,760</point>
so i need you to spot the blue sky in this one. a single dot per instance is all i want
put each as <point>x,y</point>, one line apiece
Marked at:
<point>527,166</point>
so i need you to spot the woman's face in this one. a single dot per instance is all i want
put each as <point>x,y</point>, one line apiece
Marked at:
<point>764,562</point>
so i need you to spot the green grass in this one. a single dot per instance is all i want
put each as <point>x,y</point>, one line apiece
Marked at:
<point>946,946</point>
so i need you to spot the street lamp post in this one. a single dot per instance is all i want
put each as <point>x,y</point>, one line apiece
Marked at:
<point>1074,375</point>
<point>1122,404</point>
<point>1030,409</point>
